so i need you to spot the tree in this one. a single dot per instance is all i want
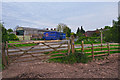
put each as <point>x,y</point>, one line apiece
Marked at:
<point>82,30</point>
<point>67,31</point>
<point>72,33</point>
<point>4,33</point>
<point>61,26</point>
<point>13,37</point>
<point>95,34</point>
<point>107,27</point>
<point>78,30</point>
<point>10,30</point>
<point>112,35</point>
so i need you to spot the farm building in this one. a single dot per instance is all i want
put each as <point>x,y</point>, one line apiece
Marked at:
<point>90,33</point>
<point>98,31</point>
<point>25,33</point>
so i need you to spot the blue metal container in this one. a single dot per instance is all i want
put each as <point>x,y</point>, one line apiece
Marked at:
<point>54,35</point>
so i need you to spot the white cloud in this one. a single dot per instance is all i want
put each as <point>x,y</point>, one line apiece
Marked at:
<point>38,24</point>
<point>92,20</point>
<point>60,0</point>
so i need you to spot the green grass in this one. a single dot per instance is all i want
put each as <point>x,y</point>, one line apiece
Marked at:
<point>100,49</point>
<point>21,45</point>
<point>111,52</point>
<point>54,52</point>
<point>14,42</point>
<point>89,42</point>
<point>70,59</point>
<point>114,45</point>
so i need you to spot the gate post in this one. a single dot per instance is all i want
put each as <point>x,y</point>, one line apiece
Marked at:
<point>108,46</point>
<point>82,46</point>
<point>72,44</point>
<point>4,61</point>
<point>92,51</point>
<point>68,47</point>
<point>7,52</point>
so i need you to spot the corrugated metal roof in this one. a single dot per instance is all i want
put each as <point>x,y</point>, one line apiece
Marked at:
<point>27,28</point>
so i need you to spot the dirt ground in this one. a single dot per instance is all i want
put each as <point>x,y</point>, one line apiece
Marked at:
<point>107,68</point>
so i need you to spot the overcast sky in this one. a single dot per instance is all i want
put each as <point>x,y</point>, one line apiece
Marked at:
<point>90,15</point>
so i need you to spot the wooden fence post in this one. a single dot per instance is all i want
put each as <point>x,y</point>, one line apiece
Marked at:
<point>82,46</point>
<point>7,51</point>
<point>101,46</point>
<point>68,47</point>
<point>101,40</point>
<point>72,44</point>
<point>4,61</point>
<point>92,51</point>
<point>108,48</point>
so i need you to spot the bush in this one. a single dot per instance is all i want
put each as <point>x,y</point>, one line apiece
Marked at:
<point>89,40</point>
<point>81,57</point>
<point>13,37</point>
<point>4,34</point>
<point>77,57</point>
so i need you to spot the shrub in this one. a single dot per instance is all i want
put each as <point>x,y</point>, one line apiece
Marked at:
<point>77,57</point>
<point>13,37</point>
<point>89,40</point>
<point>4,34</point>
<point>70,59</point>
<point>81,57</point>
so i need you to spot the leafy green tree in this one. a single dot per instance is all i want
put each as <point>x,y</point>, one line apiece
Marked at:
<point>112,35</point>
<point>4,33</point>
<point>107,27</point>
<point>82,30</point>
<point>13,37</point>
<point>4,36</point>
<point>118,29</point>
<point>78,30</point>
<point>107,36</point>
<point>10,30</point>
<point>72,33</point>
<point>61,26</point>
<point>67,31</point>
<point>96,34</point>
